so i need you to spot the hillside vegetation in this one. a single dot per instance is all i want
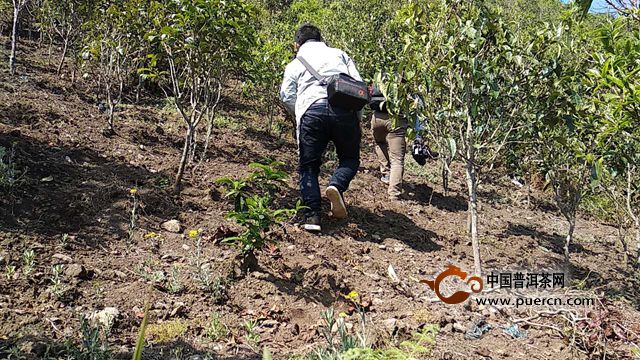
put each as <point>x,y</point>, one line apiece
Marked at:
<point>148,171</point>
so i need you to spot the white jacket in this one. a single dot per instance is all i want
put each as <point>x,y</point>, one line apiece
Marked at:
<point>300,89</point>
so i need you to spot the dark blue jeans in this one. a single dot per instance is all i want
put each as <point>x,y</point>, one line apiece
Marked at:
<point>319,125</point>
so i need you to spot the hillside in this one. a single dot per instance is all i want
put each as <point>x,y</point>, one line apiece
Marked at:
<point>72,207</point>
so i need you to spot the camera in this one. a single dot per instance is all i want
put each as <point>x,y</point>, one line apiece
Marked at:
<point>421,152</point>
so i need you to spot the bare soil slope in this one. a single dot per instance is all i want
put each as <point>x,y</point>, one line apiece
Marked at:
<point>77,182</point>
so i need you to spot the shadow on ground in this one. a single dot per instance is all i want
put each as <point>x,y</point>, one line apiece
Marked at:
<point>68,189</point>
<point>619,281</point>
<point>426,195</point>
<point>323,290</point>
<point>384,224</point>
<point>553,242</point>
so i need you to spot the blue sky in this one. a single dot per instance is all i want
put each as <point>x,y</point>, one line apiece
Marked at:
<point>596,6</point>
<point>599,6</point>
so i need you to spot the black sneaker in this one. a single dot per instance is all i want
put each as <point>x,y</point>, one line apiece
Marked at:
<point>311,223</point>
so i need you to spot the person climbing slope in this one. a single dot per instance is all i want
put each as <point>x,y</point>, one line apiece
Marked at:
<point>390,144</point>
<point>389,133</point>
<point>305,95</point>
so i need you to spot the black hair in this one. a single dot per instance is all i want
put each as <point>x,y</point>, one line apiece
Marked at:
<point>307,32</point>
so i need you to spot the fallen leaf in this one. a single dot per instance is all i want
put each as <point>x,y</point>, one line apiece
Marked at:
<point>392,274</point>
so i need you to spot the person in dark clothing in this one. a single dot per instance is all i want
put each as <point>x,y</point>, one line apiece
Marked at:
<point>319,122</point>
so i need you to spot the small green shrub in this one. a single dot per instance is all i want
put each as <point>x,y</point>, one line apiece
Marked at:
<point>602,207</point>
<point>252,337</point>
<point>92,346</point>
<point>94,343</point>
<point>151,272</point>
<point>168,106</point>
<point>57,287</point>
<point>211,284</point>
<point>257,219</point>
<point>215,329</point>
<point>335,347</point>
<point>238,190</point>
<point>64,241</point>
<point>269,177</point>
<point>10,175</point>
<point>226,122</point>
<point>346,346</point>
<point>10,272</point>
<point>421,342</point>
<point>162,182</point>
<point>266,178</point>
<point>28,259</point>
<point>253,204</point>
<point>174,285</point>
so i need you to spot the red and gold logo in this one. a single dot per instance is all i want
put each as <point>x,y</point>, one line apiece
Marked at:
<point>475,284</point>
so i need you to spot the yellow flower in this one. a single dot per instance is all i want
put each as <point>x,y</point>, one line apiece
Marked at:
<point>193,233</point>
<point>150,235</point>
<point>342,315</point>
<point>133,191</point>
<point>353,295</point>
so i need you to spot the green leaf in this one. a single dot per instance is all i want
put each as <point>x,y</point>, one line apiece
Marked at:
<point>232,239</point>
<point>598,166</point>
<point>266,354</point>
<point>137,353</point>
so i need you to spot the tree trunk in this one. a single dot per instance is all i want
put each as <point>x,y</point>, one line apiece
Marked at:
<point>472,185</point>
<point>567,196</point>
<point>40,39</point>
<point>185,156</point>
<point>64,55</point>
<point>194,146</point>
<point>445,176</point>
<point>572,227</point>
<point>270,111</point>
<point>623,242</point>
<point>49,49</point>
<point>111,110</point>
<point>210,118</point>
<point>638,243</point>
<point>632,214</point>
<point>14,39</point>
<point>248,262</point>
<point>211,115</point>
<point>529,194</point>
<point>138,88</point>
<point>110,122</point>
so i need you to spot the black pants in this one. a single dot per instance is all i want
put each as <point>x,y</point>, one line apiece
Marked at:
<point>319,125</point>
